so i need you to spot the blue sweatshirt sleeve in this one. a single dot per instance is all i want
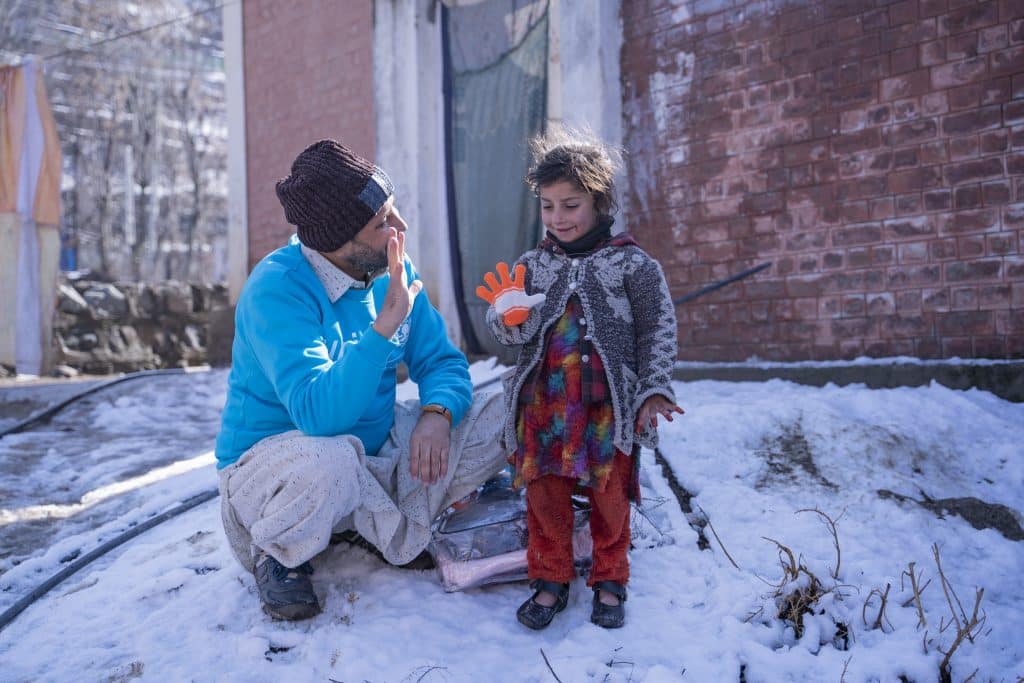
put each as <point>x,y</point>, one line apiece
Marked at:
<point>283,326</point>
<point>439,369</point>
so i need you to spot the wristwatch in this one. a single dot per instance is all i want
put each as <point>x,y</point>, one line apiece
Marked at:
<point>439,409</point>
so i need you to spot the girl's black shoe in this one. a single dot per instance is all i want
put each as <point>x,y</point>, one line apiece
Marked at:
<point>536,616</point>
<point>609,616</point>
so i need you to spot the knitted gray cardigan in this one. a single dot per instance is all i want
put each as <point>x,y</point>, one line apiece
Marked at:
<point>628,312</point>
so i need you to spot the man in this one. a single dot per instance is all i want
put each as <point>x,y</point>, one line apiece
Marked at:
<point>312,440</point>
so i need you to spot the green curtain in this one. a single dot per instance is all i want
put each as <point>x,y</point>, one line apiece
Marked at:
<point>497,55</point>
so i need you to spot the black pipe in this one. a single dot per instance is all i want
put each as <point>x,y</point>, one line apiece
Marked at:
<point>52,410</point>
<point>718,285</point>
<point>42,589</point>
<point>39,591</point>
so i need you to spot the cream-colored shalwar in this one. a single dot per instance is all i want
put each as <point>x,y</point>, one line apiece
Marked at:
<point>287,494</point>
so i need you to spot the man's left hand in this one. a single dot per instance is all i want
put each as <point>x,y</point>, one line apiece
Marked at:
<point>428,448</point>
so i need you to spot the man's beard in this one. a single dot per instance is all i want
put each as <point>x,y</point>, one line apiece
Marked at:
<point>364,259</point>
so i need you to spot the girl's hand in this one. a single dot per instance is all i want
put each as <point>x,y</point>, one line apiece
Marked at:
<point>652,407</point>
<point>507,293</point>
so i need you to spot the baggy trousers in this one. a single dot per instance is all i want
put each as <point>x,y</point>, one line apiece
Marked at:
<point>288,493</point>
<point>549,520</point>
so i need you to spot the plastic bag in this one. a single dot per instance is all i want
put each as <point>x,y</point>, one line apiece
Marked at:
<point>481,539</point>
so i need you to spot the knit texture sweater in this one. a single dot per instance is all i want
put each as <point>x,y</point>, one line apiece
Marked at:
<point>628,313</point>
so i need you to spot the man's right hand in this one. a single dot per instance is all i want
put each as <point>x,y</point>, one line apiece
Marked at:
<point>400,297</point>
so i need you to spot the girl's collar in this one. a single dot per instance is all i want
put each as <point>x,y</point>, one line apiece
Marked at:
<point>599,237</point>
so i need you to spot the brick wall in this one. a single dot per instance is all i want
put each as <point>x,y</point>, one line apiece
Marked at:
<point>873,152</point>
<point>308,75</point>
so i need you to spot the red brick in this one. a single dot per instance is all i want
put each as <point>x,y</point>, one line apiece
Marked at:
<point>904,325</point>
<point>934,103</point>
<point>992,38</point>
<point>1013,113</point>
<point>863,233</point>
<point>973,17</point>
<point>883,255</point>
<point>881,208</point>
<point>973,171</point>
<point>1001,244</point>
<point>965,147</point>
<point>957,347</point>
<point>932,53</point>
<point>964,298</point>
<point>931,8</point>
<point>960,271</point>
<point>913,252</point>
<point>962,45</point>
<point>958,73</point>
<point>937,200</point>
<point>966,322</point>
<point>934,152</point>
<point>914,131</point>
<point>908,204</point>
<point>908,276</point>
<point>910,84</point>
<point>994,141</point>
<point>996,192</point>
<point>989,347</point>
<point>971,246</point>
<point>908,301</point>
<point>935,299</point>
<point>902,228</point>
<point>922,178</point>
<point>967,197</point>
<point>985,118</point>
<point>960,222</point>
<point>1007,62</point>
<point>994,296</point>
<point>869,138</point>
<point>964,97</point>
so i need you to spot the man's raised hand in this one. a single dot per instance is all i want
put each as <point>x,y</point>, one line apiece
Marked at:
<point>400,297</point>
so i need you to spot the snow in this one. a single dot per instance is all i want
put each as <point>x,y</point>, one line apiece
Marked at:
<point>172,603</point>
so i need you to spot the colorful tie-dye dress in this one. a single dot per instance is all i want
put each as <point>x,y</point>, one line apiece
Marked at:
<point>565,420</point>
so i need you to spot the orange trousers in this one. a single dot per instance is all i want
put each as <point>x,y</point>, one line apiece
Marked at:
<point>549,519</point>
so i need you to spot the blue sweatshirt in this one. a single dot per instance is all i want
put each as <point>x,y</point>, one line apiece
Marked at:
<point>300,362</point>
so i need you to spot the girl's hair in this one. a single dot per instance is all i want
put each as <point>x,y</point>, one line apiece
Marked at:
<point>577,156</point>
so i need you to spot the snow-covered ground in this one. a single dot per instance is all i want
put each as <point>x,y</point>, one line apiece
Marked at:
<point>173,605</point>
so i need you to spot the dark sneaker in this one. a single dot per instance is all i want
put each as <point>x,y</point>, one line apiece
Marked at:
<point>609,616</point>
<point>532,614</point>
<point>286,594</point>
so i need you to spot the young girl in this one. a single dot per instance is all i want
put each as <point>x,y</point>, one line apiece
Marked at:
<point>597,326</point>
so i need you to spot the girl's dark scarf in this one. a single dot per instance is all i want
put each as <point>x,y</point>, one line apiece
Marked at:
<point>582,246</point>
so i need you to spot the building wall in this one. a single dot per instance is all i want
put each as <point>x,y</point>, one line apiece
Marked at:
<point>873,154</point>
<point>308,75</point>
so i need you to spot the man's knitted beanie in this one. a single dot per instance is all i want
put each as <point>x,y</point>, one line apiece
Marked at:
<point>331,193</point>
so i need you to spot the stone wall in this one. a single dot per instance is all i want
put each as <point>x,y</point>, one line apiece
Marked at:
<point>873,152</point>
<point>103,327</point>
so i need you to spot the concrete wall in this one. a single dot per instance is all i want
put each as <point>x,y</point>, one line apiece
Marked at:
<point>308,75</point>
<point>873,154</point>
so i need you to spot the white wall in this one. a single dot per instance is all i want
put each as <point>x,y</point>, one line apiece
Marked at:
<point>238,219</point>
<point>584,88</point>
<point>410,138</point>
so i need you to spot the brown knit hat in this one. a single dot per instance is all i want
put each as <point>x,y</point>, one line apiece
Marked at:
<point>331,193</point>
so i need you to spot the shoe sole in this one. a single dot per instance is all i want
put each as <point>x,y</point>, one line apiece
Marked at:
<point>292,612</point>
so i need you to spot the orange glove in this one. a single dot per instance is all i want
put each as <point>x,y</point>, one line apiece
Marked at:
<point>508,294</point>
